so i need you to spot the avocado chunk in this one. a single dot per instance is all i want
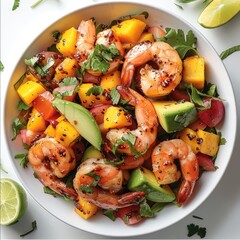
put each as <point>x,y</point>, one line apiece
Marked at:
<point>175,116</point>
<point>91,152</point>
<point>81,119</point>
<point>142,179</point>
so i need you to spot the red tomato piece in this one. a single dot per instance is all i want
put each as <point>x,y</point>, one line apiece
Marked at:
<point>205,162</point>
<point>98,112</point>
<point>179,95</point>
<point>43,104</point>
<point>198,124</point>
<point>214,114</point>
<point>130,215</point>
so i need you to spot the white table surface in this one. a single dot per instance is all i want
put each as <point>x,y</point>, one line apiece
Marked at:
<point>220,212</point>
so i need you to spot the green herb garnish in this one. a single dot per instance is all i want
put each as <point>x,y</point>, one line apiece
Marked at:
<point>22,106</point>
<point>15,4</point>
<point>86,189</point>
<point>195,229</point>
<point>34,227</point>
<point>129,139</point>
<point>229,51</point>
<point>1,66</point>
<point>95,90</point>
<point>17,126</point>
<point>109,213</point>
<point>100,58</point>
<point>181,43</point>
<point>23,159</point>
<point>68,81</point>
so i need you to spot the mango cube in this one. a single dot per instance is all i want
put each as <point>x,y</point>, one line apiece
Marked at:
<point>209,142</point>
<point>86,209</point>
<point>30,90</point>
<point>194,71</point>
<point>36,122</point>
<point>66,45</point>
<point>130,30</point>
<point>116,117</point>
<point>66,133</point>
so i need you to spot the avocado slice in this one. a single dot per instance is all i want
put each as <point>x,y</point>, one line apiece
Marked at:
<point>91,152</point>
<point>81,119</point>
<point>175,116</point>
<point>142,179</point>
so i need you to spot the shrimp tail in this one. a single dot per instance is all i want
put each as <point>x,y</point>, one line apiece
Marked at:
<point>185,191</point>
<point>132,198</point>
<point>127,74</point>
<point>58,186</point>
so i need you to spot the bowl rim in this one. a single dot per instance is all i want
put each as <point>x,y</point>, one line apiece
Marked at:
<point>155,6</point>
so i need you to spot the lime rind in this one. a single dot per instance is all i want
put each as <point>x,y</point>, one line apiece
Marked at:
<point>13,201</point>
<point>219,12</point>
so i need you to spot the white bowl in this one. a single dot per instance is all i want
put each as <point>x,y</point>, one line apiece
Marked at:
<point>99,224</point>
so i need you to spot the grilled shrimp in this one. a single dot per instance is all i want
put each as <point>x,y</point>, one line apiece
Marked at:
<point>52,161</point>
<point>153,82</point>
<point>86,38</point>
<point>99,183</point>
<point>146,132</point>
<point>165,170</point>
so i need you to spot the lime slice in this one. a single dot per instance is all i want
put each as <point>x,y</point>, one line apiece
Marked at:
<point>13,201</point>
<point>219,12</point>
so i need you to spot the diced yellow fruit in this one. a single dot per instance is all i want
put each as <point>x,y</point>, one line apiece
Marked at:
<point>209,142</point>
<point>30,90</point>
<point>67,68</point>
<point>36,122</point>
<point>116,117</point>
<point>66,45</point>
<point>91,100</point>
<point>194,71</point>
<point>66,133</point>
<point>146,37</point>
<point>61,118</point>
<point>130,30</point>
<point>111,80</point>
<point>50,131</point>
<point>86,209</point>
<point>190,137</point>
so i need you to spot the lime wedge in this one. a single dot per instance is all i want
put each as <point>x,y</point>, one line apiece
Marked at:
<point>13,201</point>
<point>219,12</point>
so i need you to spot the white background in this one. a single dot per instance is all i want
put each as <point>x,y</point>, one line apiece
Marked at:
<point>220,212</point>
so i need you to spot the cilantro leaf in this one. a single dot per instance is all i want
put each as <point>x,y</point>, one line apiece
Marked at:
<point>22,106</point>
<point>100,58</point>
<point>17,126</point>
<point>34,227</point>
<point>68,81</point>
<point>109,213</point>
<point>57,35</point>
<point>95,177</point>
<point>15,4</point>
<point>86,189</point>
<point>49,191</point>
<point>23,159</point>
<point>31,61</point>
<point>129,139</point>
<point>181,43</point>
<point>229,51</point>
<point>1,66</point>
<point>145,209</point>
<point>95,90</point>
<point>115,96</point>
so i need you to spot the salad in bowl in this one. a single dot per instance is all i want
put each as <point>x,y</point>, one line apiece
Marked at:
<point>119,118</point>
